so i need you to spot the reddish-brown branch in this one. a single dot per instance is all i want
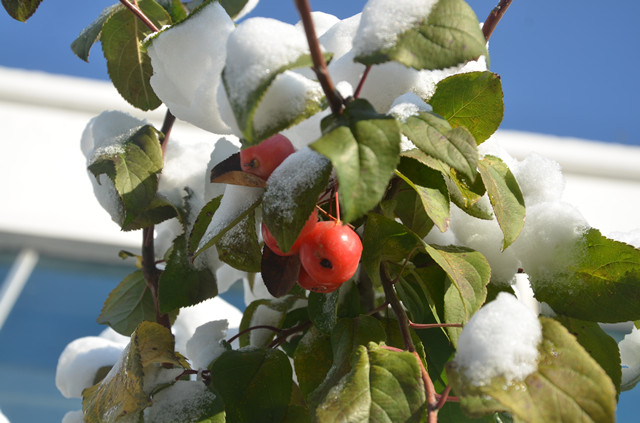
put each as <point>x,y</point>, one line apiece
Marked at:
<point>356,94</point>
<point>319,64</point>
<point>239,334</point>
<point>133,6</point>
<point>494,17</point>
<point>443,397</point>
<point>434,325</point>
<point>284,334</point>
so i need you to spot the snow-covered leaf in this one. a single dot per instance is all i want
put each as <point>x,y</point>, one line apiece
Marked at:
<point>505,196</point>
<point>259,51</point>
<point>271,312</point>
<point>364,148</point>
<point>122,392</point>
<point>323,310</point>
<point>434,34</point>
<point>133,167</point>
<point>239,246</point>
<point>128,64</point>
<point>312,359</point>
<point>600,281</point>
<point>291,194</point>
<point>568,385</point>
<point>81,46</point>
<point>472,100</point>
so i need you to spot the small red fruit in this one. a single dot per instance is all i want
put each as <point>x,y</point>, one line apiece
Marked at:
<point>308,283</point>
<point>262,159</point>
<point>330,253</point>
<point>273,245</point>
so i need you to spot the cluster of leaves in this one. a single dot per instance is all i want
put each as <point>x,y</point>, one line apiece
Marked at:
<point>355,352</point>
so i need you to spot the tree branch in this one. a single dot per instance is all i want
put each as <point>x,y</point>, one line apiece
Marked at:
<point>133,6</point>
<point>494,17</point>
<point>319,64</point>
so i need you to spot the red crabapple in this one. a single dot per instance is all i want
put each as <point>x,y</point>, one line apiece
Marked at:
<point>310,284</point>
<point>330,253</point>
<point>263,158</point>
<point>273,245</point>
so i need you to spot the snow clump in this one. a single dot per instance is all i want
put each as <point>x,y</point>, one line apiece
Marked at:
<point>500,340</point>
<point>184,401</point>
<point>204,346</point>
<point>187,61</point>
<point>630,359</point>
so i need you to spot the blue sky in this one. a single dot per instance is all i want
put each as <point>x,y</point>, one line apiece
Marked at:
<point>568,67</point>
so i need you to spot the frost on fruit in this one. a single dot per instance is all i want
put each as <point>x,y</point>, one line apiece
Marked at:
<point>187,61</point>
<point>500,340</point>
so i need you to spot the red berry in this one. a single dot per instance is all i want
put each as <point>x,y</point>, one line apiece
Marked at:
<point>330,253</point>
<point>307,282</point>
<point>273,245</point>
<point>262,159</point>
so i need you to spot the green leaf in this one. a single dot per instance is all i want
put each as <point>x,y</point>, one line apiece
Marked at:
<point>472,100</point>
<point>291,195</point>
<point>255,385</point>
<point>431,189</point>
<point>129,304</point>
<point>239,246</point>
<point>450,35</point>
<point>567,386</point>
<point>466,289</point>
<point>175,8</point>
<point>81,46</point>
<point>312,360</point>
<point>602,347</point>
<point>409,208</point>
<point>244,109</point>
<point>599,283</point>
<point>128,64</point>
<point>434,135</point>
<point>323,310</point>
<point>383,386</point>
<point>233,7</point>
<point>202,223</point>
<point>121,393</point>
<point>364,148</point>
<point>467,195</point>
<point>21,10</point>
<point>505,196</point>
<point>345,339</point>
<point>181,284</point>
<point>134,167</point>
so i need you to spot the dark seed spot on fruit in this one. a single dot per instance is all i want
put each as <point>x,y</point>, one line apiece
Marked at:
<point>326,263</point>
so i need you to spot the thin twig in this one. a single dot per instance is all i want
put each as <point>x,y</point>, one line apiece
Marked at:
<point>434,325</point>
<point>319,64</point>
<point>239,334</point>
<point>443,397</point>
<point>356,94</point>
<point>284,334</point>
<point>494,17</point>
<point>140,14</point>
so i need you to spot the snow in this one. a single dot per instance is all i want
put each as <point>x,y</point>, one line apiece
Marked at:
<point>3,418</point>
<point>204,346</point>
<point>184,401</point>
<point>257,48</point>
<point>630,359</point>
<point>297,173</point>
<point>384,20</point>
<point>408,105</point>
<point>190,318</point>
<point>256,291</point>
<point>75,416</point>
<point>81,360</point>
<point>187,61</point>
<point>263,315</point>
<point>322,22</point>
<point>500,340</point>
<point>339,38</point>
<point>289,96</point>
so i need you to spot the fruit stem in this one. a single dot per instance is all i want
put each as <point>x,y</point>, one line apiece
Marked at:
<point>133,6</point>
<point>494,17</point>
<point>319,64</point>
